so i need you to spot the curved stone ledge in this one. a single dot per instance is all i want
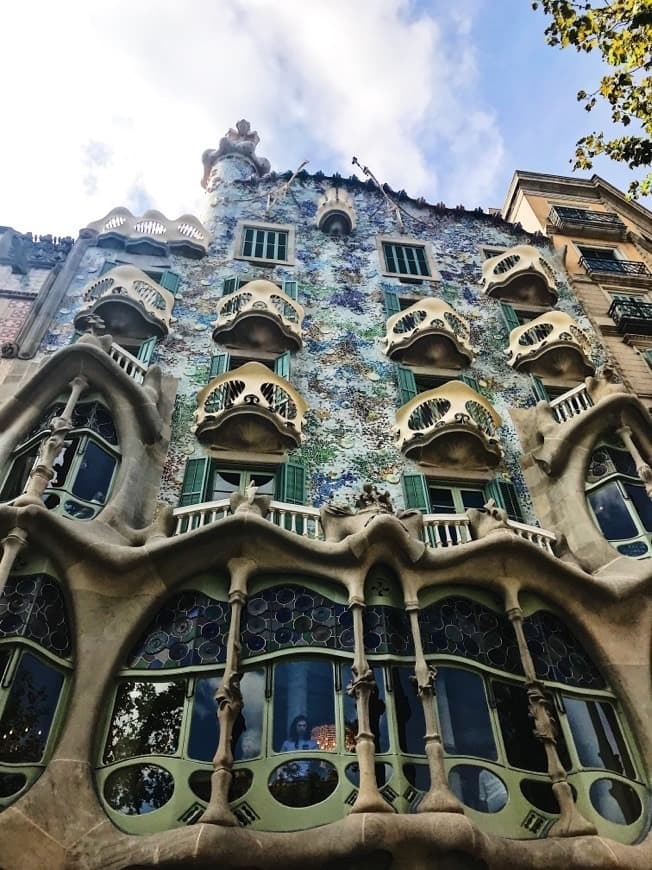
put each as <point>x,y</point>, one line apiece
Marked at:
<point>152,231</point>
<point>429,332</point>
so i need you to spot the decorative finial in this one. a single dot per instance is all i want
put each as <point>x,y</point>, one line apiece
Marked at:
<point>239,142</point>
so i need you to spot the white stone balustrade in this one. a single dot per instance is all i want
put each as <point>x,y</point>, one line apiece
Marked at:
<point>429,332</point>
<point>186,233</point>
<point>259,314</point>
<point>520,274</point>
<point>554,342</point>
<point>571,404</point>
<point>450,425</point>
<point>128,363</point>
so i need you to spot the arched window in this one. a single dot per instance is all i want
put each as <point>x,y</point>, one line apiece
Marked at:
<point>35,653</point>
<point>84,470</point>
<point>617,499</point>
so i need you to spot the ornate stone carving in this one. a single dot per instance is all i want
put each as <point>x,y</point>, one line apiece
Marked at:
<point>340,521</point>
<point>239,142</point>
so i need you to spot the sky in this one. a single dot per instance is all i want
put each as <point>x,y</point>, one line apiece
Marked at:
<point>112,103</point>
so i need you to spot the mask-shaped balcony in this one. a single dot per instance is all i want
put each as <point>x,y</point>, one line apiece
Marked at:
<point>553,345</point>
<point>452,426</point>
<point>520,275</point>
<point>259,315</point>
<point>129,302</point>
<point>250,408</point>
<point>429,333</point>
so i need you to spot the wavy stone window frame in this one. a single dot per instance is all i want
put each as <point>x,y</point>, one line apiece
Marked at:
<point>290,229</point>
<point>405,241</point>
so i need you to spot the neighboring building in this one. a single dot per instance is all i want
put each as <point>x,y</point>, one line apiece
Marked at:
<point>605,241</point>
<point>276,592</point>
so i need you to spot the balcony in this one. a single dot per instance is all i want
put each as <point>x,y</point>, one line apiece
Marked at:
<point>250,409</point>
<point>129,303</point>
<point>451,425</point>
<point>586,222</point>
<point>429,333</point>
<point>519,275</point>
<point>632,316</point>
<point>152,233</point>
<point>629,273</point>
<point>553,345</point>
<point>259,315</point>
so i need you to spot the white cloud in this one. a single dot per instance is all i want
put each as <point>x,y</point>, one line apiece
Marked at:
<point>113,103</point>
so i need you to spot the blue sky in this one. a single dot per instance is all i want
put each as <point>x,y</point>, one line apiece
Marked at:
<point>113,103</point>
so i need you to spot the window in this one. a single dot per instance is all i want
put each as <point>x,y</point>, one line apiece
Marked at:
<point>207,480</point>
<point>434,496</point>
<point>617,499</point>
<point>265,243</point>
<point>410,385</point>
<point>488,252</point>
<point>84,470</point>
<point>406,259</point>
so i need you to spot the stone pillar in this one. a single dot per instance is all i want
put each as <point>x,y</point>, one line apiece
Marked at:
<point>642,468</point>
<point>369,799</point>
<point>15,541</point>
<point>439,799</point>
<point>229,701</point>
<point>571,822</point>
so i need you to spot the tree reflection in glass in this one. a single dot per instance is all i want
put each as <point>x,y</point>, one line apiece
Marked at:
<point>464,714</point>
<point>138,789</point>
<point>146,720</point>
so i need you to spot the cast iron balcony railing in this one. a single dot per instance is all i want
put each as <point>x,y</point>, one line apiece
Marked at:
<point>552,344</point>
<point>615,267</point>
<point>520,274</point>
<point>128,288</point>
<point>429,332</point>
<point>450,425</point>
<point>632,316</point>
<point>584,221</point>
<point>259,315</point>
<point>250,408</point>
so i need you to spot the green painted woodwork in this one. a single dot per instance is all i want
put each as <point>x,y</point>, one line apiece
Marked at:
<point>291,289</point>
<point>170,280</point>
<point>107,265</point>
<point>407,386</point>
<point>538,388</point>
<point>219,365</point>
<point>509,316</point>
<point>504,494</point>
<point>391,301</point>
<point>415,490</point>
<point>230,285</point>
<point>282,365</point>
<point>193,490</point>
<point>146,350</point>
<point>291,483</point>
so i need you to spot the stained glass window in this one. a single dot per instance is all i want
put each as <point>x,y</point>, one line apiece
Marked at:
<point>190,630</point>
<point>387,630</point>
<point>556,653</point>
<point>32,607</point>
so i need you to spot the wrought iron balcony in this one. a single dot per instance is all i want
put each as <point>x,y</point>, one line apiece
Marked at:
<point>520,274</point>
<point>429,332</point>
<point>129,302</point>
<point>251,409</point>
<point>630,268</point>
<point>632,316</point>
<point>451,425</point>
<point>551,345</point>
<point>586,222</point>
<point>259,315</point>
<point>152,232</point>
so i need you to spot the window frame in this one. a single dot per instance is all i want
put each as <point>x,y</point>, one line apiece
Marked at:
<point>289,229</point>
<point>406,242</point>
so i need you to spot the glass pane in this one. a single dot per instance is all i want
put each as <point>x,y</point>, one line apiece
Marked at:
<point>304,708</point>
<point>303,783</point>
<point>200,783</point>
<point>540,795</point>
<point>642,503</point>
<point>478,788</point>
<point>522,748</point>
<point>224,483</point>
<point>473,498</point>
<point>29,711</point>
<point>146,720</point>
<point>4,657</point>
<point>611,513</point>
<point>138,789</point>
<point>383,774</point>
<point>597,736</point>
<point>409,712</point>
<point>418,775</point>
<point>464,714</point>
<point>94,474</point>
<point>61,464</point>
<point>264,481</point>
<point>441,500</point>
<point>377,715</point>
<point>19,473</point>
<point>247,731</point>
<point>10,783</point>
<point>623,461</point>
<point>615,801</point>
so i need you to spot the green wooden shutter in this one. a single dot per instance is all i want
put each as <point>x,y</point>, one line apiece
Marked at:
<point>146,350</point>
<point>219,365</point>
<point>291,289</point>
<point>76,336</point>
<point>291,483</point>
<point>648,357</point>
<point>230,285</point>
<point>538,389</point>
<point>282,365</point>
<point>170,280</point>
<point>415,491</point>
<point>471,382</point>
<point>407,386</point>
<point>509,316</point>
<point>193,490</point>
<point>391,301</point>
<point>107,265</point>
<point>503,493</point>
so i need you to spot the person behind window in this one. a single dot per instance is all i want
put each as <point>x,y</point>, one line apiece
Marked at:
<point>298,737</point>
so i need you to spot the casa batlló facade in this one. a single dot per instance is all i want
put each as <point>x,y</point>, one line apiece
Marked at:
<point>326,532</point>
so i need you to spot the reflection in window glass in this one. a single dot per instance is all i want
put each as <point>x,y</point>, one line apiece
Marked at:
<point>19,473</point>
<point>247,731</point>
<point>61,465</point>
<point>464,714</point>
<point>615,801</point>
<point>383,774</point>
<point>94,475</point>
<point>303,783</point>
<point>304,706</point>
<point>377,715</point>
<point>597,736</point>
<point>146,720</point>
<point>611,513</point>
<point>642,503</point>
<point>138,789</point>
<point>29,711</point>
<point>478,788</point>
<point>409,712</point>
